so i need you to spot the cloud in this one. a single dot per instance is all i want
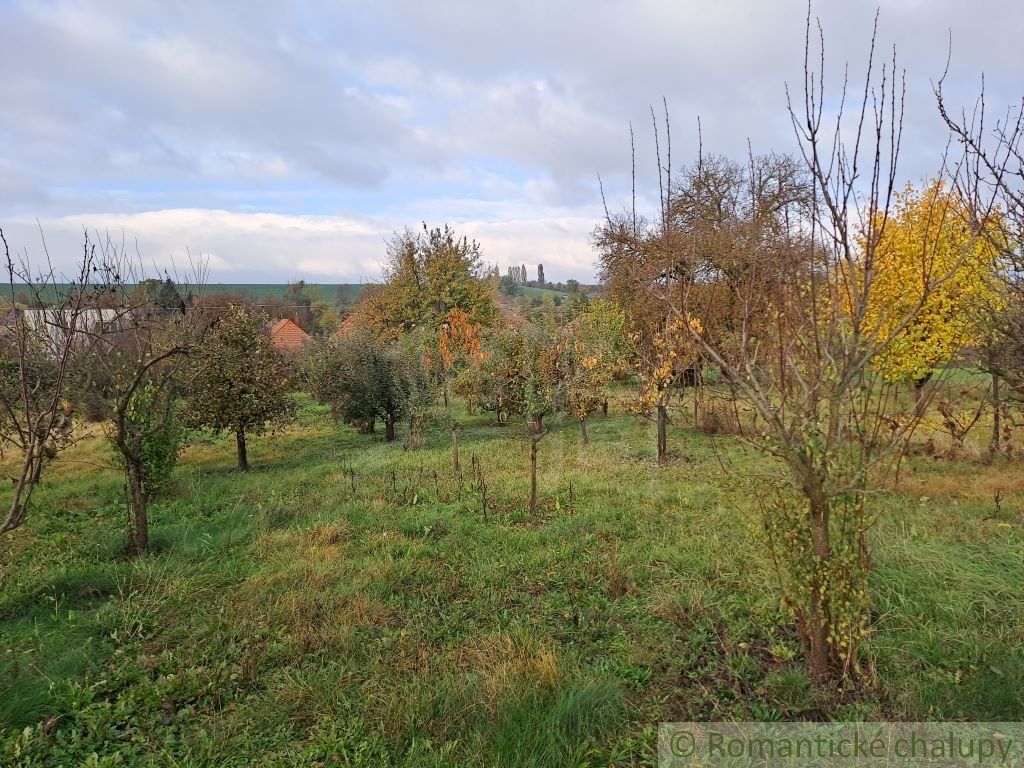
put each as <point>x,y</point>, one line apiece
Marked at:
<point>266,247</point>
<point>199,123</point>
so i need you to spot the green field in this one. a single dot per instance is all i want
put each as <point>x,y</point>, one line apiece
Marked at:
<point>353,602</point>
<point>326,291</point>
<point>527,290</point>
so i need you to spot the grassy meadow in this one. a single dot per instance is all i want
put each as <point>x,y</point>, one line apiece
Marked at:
<point>351,602</point>
<point>530,292</point>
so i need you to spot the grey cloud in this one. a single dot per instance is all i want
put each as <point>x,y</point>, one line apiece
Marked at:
<point>727,62</point>
<point>92,89</point>
<point>128,106</point>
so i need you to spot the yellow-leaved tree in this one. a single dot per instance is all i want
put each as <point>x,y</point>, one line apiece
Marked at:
<point>663,360</point>
<point>936,267</point>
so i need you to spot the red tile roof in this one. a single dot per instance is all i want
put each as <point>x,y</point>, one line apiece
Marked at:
<point>348,325</point>
<point>286,336</point>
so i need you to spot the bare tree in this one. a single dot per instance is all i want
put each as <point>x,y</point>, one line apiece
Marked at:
<point>994,167</point>
<point>135,372</point>
<point>38,344</point>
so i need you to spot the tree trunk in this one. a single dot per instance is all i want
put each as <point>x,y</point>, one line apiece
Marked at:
<point>37,453</point>
<point>389,430</point>
<point>604,408</point>
<point>243,453</point>
<point>445,390</point>
<point>139,544</point>
<point>662,434</point>
<point>455,450</point>
<point>919,396</point>
<point>533,475</point>
<point>997,418</point>
<point>819,656</point>
<point>538,422</point>
<point>583,431</point>
<point>22,491</point>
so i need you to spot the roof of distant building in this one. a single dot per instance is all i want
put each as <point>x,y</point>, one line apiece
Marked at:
<point>286,336</point>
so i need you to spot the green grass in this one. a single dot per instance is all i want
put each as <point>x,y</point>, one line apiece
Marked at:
<point>532,291</point>
<point>287,619</point>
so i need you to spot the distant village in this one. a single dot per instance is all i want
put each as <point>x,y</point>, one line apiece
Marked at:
<point>297,312</point>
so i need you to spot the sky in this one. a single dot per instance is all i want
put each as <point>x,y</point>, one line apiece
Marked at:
<point>281,140</point>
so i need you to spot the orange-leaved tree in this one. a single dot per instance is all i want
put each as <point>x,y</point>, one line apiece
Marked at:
<point>458,345</point>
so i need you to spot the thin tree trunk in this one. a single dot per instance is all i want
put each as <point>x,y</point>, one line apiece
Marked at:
<point>533,474</point>
<point>445,390</point>
<point>37,462</point>
<point>819,657</point>
<point>22,491</point>
<point>140,512</point>
<point>389,430</point>
<point>583,431</point>
<point>662,434</point>
<point>243,454</point>
<point>455,450</point>
<point>997,417</point>
<point>604,408</point>
<point>919,395</point>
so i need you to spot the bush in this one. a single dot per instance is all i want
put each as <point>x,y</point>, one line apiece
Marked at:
<point>364,379</point>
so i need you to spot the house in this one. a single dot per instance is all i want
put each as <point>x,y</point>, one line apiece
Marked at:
<point>287,337</point>
<point>53,325</point>
<point>347,327</point>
